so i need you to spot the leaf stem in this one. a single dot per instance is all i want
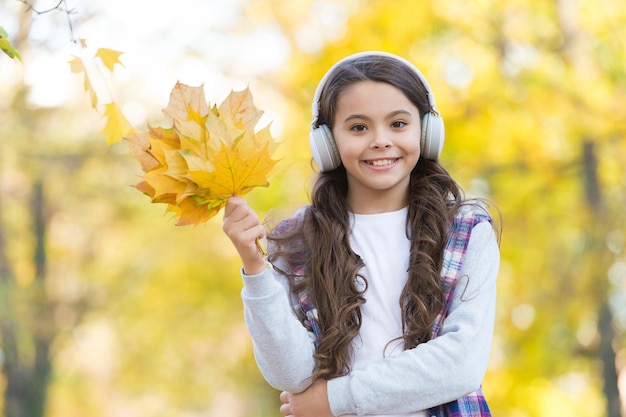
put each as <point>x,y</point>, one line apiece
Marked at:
<point>259,245</point>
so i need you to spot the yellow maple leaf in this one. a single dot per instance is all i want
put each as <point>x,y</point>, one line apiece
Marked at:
<point>78,67</point>
<point>235,173</point>
<point>168,137</point>
<point>239,114</point>
<point>109,57</point>
<point>139,145</point>
<point>168,188</point>
<point>187,109</point>
<point>208,155</point>
<point>116,126</point>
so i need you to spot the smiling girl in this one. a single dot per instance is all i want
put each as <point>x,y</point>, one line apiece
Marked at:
<point>378,298</point>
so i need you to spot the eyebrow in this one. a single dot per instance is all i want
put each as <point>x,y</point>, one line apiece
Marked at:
<point>389,116</point>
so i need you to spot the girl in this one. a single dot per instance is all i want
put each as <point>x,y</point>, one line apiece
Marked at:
<point>378,298</point>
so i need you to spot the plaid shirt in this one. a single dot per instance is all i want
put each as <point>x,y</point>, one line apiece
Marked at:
<point>474,404</point>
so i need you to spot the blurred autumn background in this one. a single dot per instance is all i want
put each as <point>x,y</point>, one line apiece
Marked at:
<point>108,309</point>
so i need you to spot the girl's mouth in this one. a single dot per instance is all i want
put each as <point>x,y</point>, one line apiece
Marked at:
<point>382,162</point>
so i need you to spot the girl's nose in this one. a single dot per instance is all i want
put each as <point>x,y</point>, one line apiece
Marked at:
<point>380,139</point>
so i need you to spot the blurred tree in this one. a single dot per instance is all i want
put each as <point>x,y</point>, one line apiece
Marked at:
<point>599,258</point>
<point>25,329</point>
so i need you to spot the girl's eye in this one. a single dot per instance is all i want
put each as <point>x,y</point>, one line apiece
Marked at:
<point>398,124</point>
<point>358,128</point>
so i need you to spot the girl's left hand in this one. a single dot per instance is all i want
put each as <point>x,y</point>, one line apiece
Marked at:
<point>313,402</point>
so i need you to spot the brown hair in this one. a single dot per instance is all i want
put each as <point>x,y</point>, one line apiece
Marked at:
<point>317,242</point>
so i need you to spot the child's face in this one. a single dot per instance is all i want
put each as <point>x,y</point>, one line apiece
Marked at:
<point>377,131</point>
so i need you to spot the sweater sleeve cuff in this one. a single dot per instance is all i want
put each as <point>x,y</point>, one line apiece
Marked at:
<point>259,285</point>
<point>340,396</point>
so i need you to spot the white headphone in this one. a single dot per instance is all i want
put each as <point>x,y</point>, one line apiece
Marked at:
<point>321,139</point>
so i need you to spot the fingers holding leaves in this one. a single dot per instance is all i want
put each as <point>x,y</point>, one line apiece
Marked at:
<point>242,225</point>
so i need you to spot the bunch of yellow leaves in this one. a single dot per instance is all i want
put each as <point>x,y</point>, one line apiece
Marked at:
<point>207,156</point>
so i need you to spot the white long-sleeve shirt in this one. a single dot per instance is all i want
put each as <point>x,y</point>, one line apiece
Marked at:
<point>382,381</point>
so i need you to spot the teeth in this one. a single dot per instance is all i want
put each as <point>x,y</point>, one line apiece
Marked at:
<point>382,162</point>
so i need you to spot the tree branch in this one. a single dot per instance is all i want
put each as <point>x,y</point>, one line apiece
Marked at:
<point>32,8</point>
<point>60,6</point>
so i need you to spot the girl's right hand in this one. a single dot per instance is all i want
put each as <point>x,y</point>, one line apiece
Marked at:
<point>243,227</point>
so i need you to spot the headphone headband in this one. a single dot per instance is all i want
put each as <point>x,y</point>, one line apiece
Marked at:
<point>315,109</point>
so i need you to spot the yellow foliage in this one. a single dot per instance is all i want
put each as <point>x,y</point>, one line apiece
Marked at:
<point>207,156</point>
<point>77,66</point>
<point>109,57</point>
<point>117,126</point>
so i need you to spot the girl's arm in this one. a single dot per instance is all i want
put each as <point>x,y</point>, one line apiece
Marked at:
<point>283,348</point>
<point>443,369</point>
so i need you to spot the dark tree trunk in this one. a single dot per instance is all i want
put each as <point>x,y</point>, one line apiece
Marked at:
<point>605,315</point>
<point>26,378</point>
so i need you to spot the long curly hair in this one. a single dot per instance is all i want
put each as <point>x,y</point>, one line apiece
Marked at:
<point>312,250</point>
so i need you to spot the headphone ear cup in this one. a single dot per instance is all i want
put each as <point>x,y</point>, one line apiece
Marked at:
<point>323,148</point>
<point>433,134</point>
